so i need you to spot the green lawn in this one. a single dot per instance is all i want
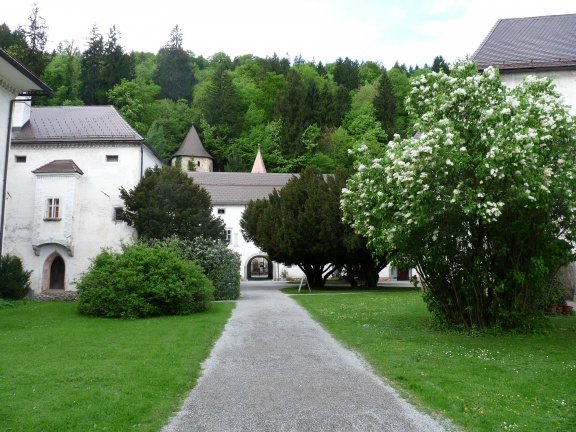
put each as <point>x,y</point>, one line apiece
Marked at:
<point>60,371</point>
<point>483,383</point>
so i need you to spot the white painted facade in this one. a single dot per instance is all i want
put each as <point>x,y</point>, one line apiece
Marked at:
<point>85,222</point>
<point>565,81</point>
<point>249,252</point>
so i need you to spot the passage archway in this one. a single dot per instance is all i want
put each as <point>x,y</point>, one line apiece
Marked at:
<point>259,267</point>
<point>57,271</point>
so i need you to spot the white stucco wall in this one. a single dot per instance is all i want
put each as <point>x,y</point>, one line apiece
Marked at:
<point>91,226</point>
<point>247,250</point>
<point>565,83</point>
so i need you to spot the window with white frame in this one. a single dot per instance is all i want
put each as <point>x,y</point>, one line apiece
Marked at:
<point>53,208</point>
<point>229,235</point>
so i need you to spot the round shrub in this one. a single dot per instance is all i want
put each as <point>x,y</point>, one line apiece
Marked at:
<point>14,280</point>
<point>221,265</point>
<point>143,281</point>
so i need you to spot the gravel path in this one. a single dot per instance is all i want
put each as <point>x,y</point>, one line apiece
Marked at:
<point>276,369</point>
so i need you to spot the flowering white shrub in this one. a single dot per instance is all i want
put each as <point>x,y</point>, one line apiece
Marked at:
<point>481,200</point>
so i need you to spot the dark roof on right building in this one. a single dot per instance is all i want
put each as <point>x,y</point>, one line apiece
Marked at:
<point>529,43</point>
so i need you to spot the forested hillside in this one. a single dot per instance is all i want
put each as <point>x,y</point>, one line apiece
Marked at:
<point>301,112</point>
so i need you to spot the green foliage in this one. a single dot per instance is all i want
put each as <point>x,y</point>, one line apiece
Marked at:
<point>386,105</point>
<point>482,383</point>
<point>166,202</point>
<point>14,280</point>
<point>174,73</point>
<point>104,64</point>
<point>99,374</point>
<point>302,225</point>
<point>220,264</point>
<point>63,75</point>
<point>141,282</point>
<point>482,201</point>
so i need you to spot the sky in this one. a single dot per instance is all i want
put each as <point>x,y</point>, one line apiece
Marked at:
<point>385,31</point>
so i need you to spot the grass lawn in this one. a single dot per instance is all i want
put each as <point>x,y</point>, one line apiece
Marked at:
<point>60,371</point>
<point>483,383</point>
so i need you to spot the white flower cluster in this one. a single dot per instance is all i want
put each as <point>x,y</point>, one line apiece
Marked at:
<point>480,148</point>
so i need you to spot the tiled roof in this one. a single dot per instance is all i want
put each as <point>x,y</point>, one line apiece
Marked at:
<point>59,166</point>
<point>239,188</point>
<point>526,43</point>
<point>75,124</point>
<point>192,146</point>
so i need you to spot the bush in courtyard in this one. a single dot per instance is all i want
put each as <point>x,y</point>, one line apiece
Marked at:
<point>14,280</point>
<point>143,281</point>
<point>220,264</point>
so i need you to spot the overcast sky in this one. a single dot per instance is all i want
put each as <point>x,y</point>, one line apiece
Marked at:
<point>410,31</point>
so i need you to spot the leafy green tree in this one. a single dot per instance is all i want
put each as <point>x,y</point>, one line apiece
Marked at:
<point>166,202</point>
<point>63,75</point>
<point>481,201</point>
<point>170,124</point>
<point>133,100</point>
<point>401,84</point>
<point>174,73</point>
<point>369,72</point>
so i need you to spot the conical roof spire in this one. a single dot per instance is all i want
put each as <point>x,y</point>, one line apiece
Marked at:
<point>192,146</point>
<point>259,167</point>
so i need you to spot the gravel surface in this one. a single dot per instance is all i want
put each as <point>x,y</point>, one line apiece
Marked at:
<point>275,369</point>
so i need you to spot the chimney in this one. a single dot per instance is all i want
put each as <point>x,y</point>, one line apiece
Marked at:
<point>21,113</point>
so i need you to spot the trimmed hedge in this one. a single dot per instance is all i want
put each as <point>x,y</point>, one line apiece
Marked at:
<point>143,281</point>
<point>14,280</point>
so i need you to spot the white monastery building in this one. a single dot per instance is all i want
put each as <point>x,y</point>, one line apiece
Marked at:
<point>544,46</point>
<point>230,192</point>
<point>66,166</point>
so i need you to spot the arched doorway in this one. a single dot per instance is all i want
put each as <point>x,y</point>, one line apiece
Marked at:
<point>57,270</point>
<point>259,267</point>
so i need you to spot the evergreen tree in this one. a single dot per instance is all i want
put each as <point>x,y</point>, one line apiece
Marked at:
<point>174,73</point>
<point>346,73</point>
<point>439,64</point>
<point>385,104</point>
<point>166,202</point>
<point>36,34</point>
<point>92,89</point>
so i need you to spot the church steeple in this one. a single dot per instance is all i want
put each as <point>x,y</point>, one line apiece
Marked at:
<point>259,167</point>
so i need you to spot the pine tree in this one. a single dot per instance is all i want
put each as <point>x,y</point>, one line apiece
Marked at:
<point>385,104</point>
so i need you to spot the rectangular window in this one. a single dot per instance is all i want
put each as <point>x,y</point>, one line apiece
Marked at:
<point>118,214</point>
<point>53,208</point>
<point>221,211</point>
<point>229,235</point>
<point>111,158</point>
<point>20,159</point>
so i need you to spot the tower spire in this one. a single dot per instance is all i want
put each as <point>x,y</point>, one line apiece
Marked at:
<point>259,167</point>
